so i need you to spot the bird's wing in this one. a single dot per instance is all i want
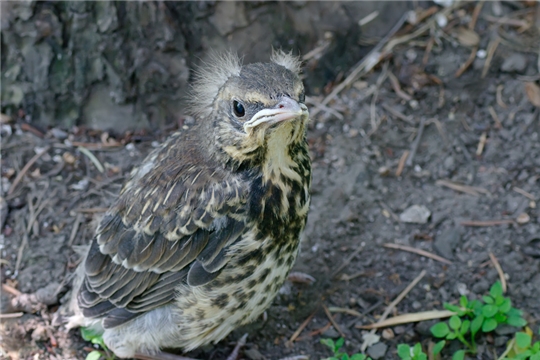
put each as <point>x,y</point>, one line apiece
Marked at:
<point>171,224</point>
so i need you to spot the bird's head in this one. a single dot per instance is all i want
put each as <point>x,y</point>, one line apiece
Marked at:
<point>245,109</point>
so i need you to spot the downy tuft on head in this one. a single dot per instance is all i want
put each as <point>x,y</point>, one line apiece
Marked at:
<point>209,78</point>
<point>287,60</point>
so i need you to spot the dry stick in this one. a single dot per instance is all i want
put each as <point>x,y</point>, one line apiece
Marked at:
<point>75,228</point>
<point>11,315</point>
<point>416,142</point>
<point>397,300</point>
<point>467,63</point>
<point>500,101</point>
<point>303,326</point>
<point>401,163</point>
<point>475,14</point>
<point>26,168</point>
<point>418,251</point>
<point>498,124</point>
<point>11,290</point>
<point>499,270</point>
<point>524,193</point>
<point>363,63</point>
<point>408,119</point>
<point>490,52</point>
<point>347,261</point>
<point>397,88</point>
<point>32,218</point>
<point>345,310</point>
<point>471,190</point>
<point>334,323</point>
<point>481,144</point>
<point>508,349</point>
<point>236,351</point>
<point>487,222</point>
<point>390,211</point>
<point>409,318</point>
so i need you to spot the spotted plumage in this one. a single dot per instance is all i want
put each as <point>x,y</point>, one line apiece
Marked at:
<point>207,228</point>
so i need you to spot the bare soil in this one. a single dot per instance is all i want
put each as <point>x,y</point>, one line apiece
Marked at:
<point>356,206</point>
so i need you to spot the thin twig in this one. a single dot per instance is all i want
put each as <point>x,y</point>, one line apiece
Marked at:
<point>481,144</point>
<point>334,323</point>
<point>487,222</point>
<point>492,47</point>
<point>390,211</point>
<point>75,228</point>
<point>348,260</point>
<point>498,124</point>
<point>416,142</point>
<point>345,311</point>
<point>92,158</point>
<point>524,193</point>
<point>467,63</point>
<point>475,14</point>
<point>366,63</point>
<point>499,269</point>
<point>401,164</point>
<point>303,325</point>
<point>471,190</point>
<point>500,101</point>
<point>11,290</point>
<point>408,119</point>
<point>11,315</point>
<point>418,251</point>
<point>409,318</point>
<point>508,349</point>
<point>25,169</point>
<point>236,351</point>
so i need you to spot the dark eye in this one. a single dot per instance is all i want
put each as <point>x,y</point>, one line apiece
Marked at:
<point>302,98</point>
<point>238,109</point>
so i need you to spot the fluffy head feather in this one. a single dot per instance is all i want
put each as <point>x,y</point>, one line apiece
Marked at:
<point>209,78</point>
<point>212,75</point>
<point>287,60</point>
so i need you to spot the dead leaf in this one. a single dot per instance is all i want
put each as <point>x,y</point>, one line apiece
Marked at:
<point>533,93</point>
<point>467,37</point>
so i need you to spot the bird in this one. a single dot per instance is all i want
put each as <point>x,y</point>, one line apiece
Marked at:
<point>206,229</point>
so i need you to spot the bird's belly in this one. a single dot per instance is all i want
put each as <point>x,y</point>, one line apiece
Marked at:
<point>242,292</point>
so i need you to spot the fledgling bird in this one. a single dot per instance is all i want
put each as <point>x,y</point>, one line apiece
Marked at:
<point>207,228</point>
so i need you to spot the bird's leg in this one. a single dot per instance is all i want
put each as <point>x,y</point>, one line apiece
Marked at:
<point>236,350</point>
<point>160,356</point>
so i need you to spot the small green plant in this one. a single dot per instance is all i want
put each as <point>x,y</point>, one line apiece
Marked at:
<point>478,315</point>
<point>96,338</point>
<point>522,348</point>
<point>335,346</point>
<point>405,352</point>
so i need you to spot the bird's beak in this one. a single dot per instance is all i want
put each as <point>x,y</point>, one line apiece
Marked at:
<point>286,109</point>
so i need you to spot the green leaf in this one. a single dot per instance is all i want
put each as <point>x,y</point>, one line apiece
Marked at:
<point>454,322</point>
<point>358,357</point>
<point>514,312</point>
<point>404,351</point>
<point>421,356</point>
<point>328,342</point>
<point>535,356</point>
<point>496,289</point>
<point>438,347</point>
<point>88,334</point>
<point>451,307</point>
<point>459,355</point>
<point>339,343</point>
<point>451,336</point>
<point>345,357</point>
<point>489,325</point>
<point>417,349</point>
<point>488,299</point>
<point>476,324</point>
<point>93,355</point>
<point>463,301</point>
<point>523,340</point>
<point>489,310</point>
<point>440,330</point>
<point>516,321</point>
<point>464,327</point>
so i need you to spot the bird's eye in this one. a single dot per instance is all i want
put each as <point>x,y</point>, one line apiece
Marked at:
<point>302,98</point>
<point>238,109</point>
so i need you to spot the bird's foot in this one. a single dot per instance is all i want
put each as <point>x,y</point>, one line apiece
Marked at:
<point>236,350</point>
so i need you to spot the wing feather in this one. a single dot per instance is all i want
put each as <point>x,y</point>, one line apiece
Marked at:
<point>172,224</point>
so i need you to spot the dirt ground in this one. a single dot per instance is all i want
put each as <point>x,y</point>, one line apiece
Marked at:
<point>473,145</point>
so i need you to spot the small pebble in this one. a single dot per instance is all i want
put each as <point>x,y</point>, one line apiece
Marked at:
<point>377,351</point>
<point>416,214</point>
<point>515,63</point>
